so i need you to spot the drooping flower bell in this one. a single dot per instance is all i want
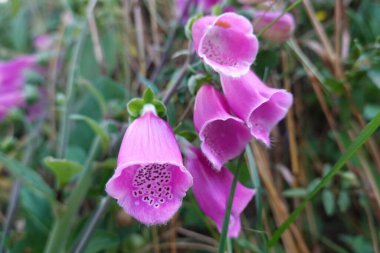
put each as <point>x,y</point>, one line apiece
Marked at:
<point>223,136</point>
<point>260,106</point>
<point>12,82</point>
<point>226,43</point>
<point>280,31</point>
<point>211,190</point>
<point>150,179</point>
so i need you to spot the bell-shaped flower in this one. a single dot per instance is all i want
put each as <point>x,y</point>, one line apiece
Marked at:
<point>211,190</point>
<point>150,180</point>
<point>260,106</point>
<point>281,30</point>
<point>223,136</point>
<point>226,43</point>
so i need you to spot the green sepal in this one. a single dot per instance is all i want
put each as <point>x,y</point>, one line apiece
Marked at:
<point>188,135</point>
<point>216,10</point>
<point>160,108</point>
<point>190,24</point>
<point>135,106</point>
<point>196,81</point>
<point>148,96</point>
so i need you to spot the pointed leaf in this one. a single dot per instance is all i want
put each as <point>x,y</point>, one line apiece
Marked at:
<point>148,96</point>
<point>135,106</point>
<point>63,169</point>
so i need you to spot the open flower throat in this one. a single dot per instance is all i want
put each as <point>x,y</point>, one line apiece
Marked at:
<point>152,184</point>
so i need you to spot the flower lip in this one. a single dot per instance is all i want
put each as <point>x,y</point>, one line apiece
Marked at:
<point>222,135</point>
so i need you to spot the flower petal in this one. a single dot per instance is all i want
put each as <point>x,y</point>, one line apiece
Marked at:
<point>211,190</point>
<point>227,45</point>
<point>260,106</point>
<point>223,136</point>
<point>150,179</point>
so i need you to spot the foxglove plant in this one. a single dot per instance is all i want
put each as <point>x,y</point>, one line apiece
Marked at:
<point>281,29</point>
<point>226,43</point>
<point>13,83</point>
<point>211,190</point>
<point>260,106</point>
<point>223,136</point>
<point>150,179</point>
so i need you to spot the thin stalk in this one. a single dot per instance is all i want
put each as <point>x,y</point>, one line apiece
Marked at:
<point>89,229</point>
<point>62,225</point>
<point>255,178</point>
<point>227,214</point>
<point>64,127</point>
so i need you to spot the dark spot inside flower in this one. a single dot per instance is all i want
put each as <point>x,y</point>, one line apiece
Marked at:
<point>223,24</point>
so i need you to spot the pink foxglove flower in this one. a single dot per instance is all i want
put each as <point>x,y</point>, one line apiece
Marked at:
<point>43,42</point>
<point>223,136</point>
<point>12,82</point>
<point>150,179</point>
<point>226,43</point>
<point>211,190</point>
<point>280,31</point>
<point>260,106</point>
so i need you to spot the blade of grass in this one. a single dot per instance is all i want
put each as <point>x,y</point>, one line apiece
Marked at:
<point>223,236</point>
<point>364,135</point>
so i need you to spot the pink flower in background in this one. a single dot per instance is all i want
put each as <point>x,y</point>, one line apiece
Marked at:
<point>150,179</point>
<point>226,43</point>
<point>223,136</point>
<point>281,30</point>
<point>260,106</point>
<point>43,42</point>
<point>253,1</point>
<point>12,82</point>
<point>211,190</point>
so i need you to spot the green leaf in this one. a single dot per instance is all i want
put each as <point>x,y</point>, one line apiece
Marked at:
<point>148,96</point>
<point>364,135</point>
<point>135,106</point>
<point>28,177</point>
<point>63,169</point>
<point>295,192</point>
<point>328,201</point>
<point>160,108</point>
<point>104,138</point>
<point>216,10</point>
<point>344,201</point>
<point>190,24</point>
<point>374,75</point>
<point>195,82</point>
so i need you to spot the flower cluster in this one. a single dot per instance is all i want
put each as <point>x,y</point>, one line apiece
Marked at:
<point>150,180</point>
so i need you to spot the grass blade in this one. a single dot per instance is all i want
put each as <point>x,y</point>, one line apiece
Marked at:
<point>364,135</point>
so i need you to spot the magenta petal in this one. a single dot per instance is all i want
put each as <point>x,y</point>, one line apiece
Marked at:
<point>281,30</point>
<point>150,179</point>
<point>228,45</point>
<point>199,28</point>
<point>223,136</point>
<point>211,190</point>
<point>260,106</point>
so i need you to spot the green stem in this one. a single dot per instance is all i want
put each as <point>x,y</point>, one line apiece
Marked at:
<point>223,236</point>
<point>64,127</point>
<point>61,228</point>
<point>255,178</point>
